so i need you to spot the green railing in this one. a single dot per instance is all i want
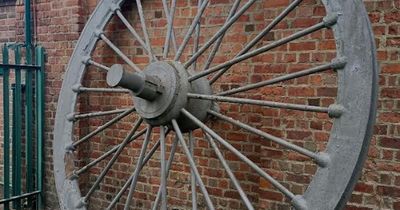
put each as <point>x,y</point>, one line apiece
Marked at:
<point>23,77</point>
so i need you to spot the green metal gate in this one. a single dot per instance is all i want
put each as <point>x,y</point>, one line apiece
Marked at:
<point>22,74</point>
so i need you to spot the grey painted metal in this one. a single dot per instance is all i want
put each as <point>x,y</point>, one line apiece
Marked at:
<point>101,35</point>
<point>142,85</point>
<point>228,170</point>
<point>197,34</point>
<point>169,163</point>
<point>357,92</point>
<point>338,63</point>
<point>190,30</point>
<point>250,163</point>
<point>138,169</point>
<point>128,182</point>
<point>170,36</point>
<point>220,32</point>
<point>319,158</point>
<point>98,129</point>
<point>162,108</point>
<point>87,60</point>
<point>110,163</point>
<point>78,88</point>
<point>68,190</point>
<point>261,35</point>
<point>354,110</point>
<point>144,29</point>
<point>76,173</point>
<point>327,22</point>
<point>78,116</point>
<point>332,109</point>
<point>192,164</point>
<point>218,43</point>
<point>133,32</point>
<point>172,15</point>
<point>192,175</point>
<point>163,173</point>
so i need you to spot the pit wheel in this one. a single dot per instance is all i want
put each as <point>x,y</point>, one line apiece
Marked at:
<point>177,90</point>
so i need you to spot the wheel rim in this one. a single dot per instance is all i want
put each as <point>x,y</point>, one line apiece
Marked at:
<point>354,109</point>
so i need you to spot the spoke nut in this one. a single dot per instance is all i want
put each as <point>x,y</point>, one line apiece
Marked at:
<point>335,110</point>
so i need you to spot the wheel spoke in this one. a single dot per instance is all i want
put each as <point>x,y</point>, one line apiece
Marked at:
<point>112,161</point>
<point>169,163</point>
<point>101,128</point>
<point>220,32</point>
<point>170,28</point>
<point>144,28</point>
<point>327,22</point>
<point>98,65</point>
<point>261,103</point>
<point>135,34</point>
<point>79,89</point>
<point>261,172</point>
<point>319,158</point>
<point>78,116</point>
<point>335,64</point>
<point>78,172</point>
<point>266,30</point>
<point>197,35</point>
<point>193,165</point>
<point>213,52</point>
<point>228,170</point>
<point>191,29</point>
<point>192,177</point>
<point>138,169</point>
<point>172,15</point>
<point>163,171</point>
<point>128,182</point>
<point>120,53</point>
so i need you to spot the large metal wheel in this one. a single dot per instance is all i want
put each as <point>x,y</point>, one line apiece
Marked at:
<point>173,94</point>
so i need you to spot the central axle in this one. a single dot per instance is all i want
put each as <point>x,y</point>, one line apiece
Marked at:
<point>142,85</point>
<point>160,92</point>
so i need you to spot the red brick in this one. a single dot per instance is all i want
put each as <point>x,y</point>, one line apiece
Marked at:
<point>59,24</point>
<point>393,143</point>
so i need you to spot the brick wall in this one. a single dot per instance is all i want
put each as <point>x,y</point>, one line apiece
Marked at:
<point>7,23</point>
<point>58,24</point>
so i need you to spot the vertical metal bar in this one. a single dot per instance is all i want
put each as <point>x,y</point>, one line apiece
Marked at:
<point>192,164</point>
<point>110,163</point>
<point>144,29</point>
<point>6,128</point>
<point>218,43</point>
<point>128,182</point>
<point>138,169</point>
<point>13,144</point>
<point>193,177</point>
<point>40,91</point>
<point>169,164</point>
<point>228,170</point>
<point>197,35</point>
<point>190,30</point>
<point>169,14</point>
<point>237,153</point>
<point>18,128</point>
<point>163,170</point>
<point>29,149</point>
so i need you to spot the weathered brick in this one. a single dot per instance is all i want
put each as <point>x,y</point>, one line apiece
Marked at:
<point>59,23</point>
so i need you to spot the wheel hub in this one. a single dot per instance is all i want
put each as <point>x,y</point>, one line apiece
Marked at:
<point>160,92</point>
